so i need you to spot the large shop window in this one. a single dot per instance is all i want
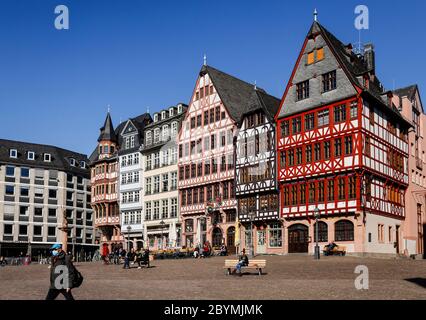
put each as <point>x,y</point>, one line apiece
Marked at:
<point>275,236</point>
<point>344,231</point>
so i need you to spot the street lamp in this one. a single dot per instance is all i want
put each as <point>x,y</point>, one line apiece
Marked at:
<point>317,249</point>
<point>162,223</point>
<point>129,228</point>
<point>252,216</point>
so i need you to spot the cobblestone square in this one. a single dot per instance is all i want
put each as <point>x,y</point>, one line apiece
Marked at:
<point>286,277</point>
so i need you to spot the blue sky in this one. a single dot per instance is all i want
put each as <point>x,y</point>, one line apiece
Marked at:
<point>55,85</point>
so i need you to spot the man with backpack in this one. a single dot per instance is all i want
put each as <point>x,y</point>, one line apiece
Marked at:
<point>63,275</point>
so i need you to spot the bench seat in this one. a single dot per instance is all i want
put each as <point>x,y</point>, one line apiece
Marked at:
<point>258,265</point>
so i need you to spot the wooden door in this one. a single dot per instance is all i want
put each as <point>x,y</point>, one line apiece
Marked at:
<point>298,239</point>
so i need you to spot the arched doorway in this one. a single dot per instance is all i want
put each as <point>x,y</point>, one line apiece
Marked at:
<point>230,240</point>
<point>298,239</point>
<point>217,237</point>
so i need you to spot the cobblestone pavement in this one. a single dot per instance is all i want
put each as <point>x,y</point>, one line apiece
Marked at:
<point>289,277</point>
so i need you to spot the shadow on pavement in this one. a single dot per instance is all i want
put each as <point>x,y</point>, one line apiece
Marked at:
<point>419,281</point>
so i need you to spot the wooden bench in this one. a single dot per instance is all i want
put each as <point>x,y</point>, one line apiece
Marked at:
<point>258,265</point>
<point>339,250</point>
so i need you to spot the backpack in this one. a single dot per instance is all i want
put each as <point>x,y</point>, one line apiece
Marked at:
<point>77,279</point>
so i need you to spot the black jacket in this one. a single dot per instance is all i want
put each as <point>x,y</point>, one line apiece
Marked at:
<point>245,259</point>
<point>61,260</point>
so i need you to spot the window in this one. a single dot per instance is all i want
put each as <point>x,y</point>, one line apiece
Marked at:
<point>10,171</point>
<point>165,182</point>
<point>309,154</point>
<point>371,116</point>
<point>25,172</point>
<point>327,150</point>
<point>323,118</point>
<point>322,232</point>
<point>72,162</point>
<point>165,209</point>
<point>354,110</point>
<point>330,190</point>
<point>38,212</point>
<point>25,192</point>
<point>320,54</point>
<point>37,230</point>
<point>340,113</point>
<point>297,125</point>
<point>23,230</point>
<point>302,90</point>
<point>342,189</point>
<point>367,146</point>
<point>309,121</point>
<point>348,145</point>
<point>344,231</point>
<point>13,153</point>
<point>329,81</point>
<point>311,57</point>
<point>10,190</point>
<point>275,235</point>
<point>189,225</point>
<point>52,194</point>
<point>285,128</point>
<point>52,213</point>
<point>337,147</point>
<point>352,187</point>
<point>31,155</point>
<point>23,210</point>
<point>8,229</point>
<point>380,233</point>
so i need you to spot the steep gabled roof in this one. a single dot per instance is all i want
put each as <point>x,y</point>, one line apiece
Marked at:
<point>408,92</point>
<point>352,64</point>
<point>260,100</point>
<point>234,93</point>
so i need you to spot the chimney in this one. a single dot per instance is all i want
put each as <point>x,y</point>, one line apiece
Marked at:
<point>370,57</point>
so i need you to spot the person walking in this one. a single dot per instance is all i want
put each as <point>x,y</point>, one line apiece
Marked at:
<point>61,267</point>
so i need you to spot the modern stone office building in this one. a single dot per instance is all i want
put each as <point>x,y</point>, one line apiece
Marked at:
<point>39,184</point>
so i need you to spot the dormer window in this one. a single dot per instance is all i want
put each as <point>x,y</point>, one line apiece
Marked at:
<point>180,108</point>
<point>72,162</point>
<point>13,153</point>
<point>148,138</point>
<point>31,155</point>
<point>171,112</point>
<point>156,117</point>
<point>83,164</point>
<point>163,115</point>
<point>47,157</point>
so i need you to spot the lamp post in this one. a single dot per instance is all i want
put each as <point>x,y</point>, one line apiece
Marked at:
<point>252,216</point>
<point>129,228</point>
<point>317,250</point>
<point>162,223</point>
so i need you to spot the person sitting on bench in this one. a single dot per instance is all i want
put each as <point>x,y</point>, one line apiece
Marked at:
<point>243,261</point>
<point>330,247</point>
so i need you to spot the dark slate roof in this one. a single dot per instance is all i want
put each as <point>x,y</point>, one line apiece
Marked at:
<point>260,100</point>
<point>408,92</point>
<point>107,131</point>
<point>140,122</point>
<point>234,93</point>
<point>60,158</point>
<point>354,65</point>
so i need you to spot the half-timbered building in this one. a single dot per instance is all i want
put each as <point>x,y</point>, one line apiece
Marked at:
<point>206,158</point>
<point>255,171</point>
<point>342,149</point>
<point>409,103</point>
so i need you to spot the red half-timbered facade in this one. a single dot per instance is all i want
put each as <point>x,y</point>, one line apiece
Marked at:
<point>342,149</point>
